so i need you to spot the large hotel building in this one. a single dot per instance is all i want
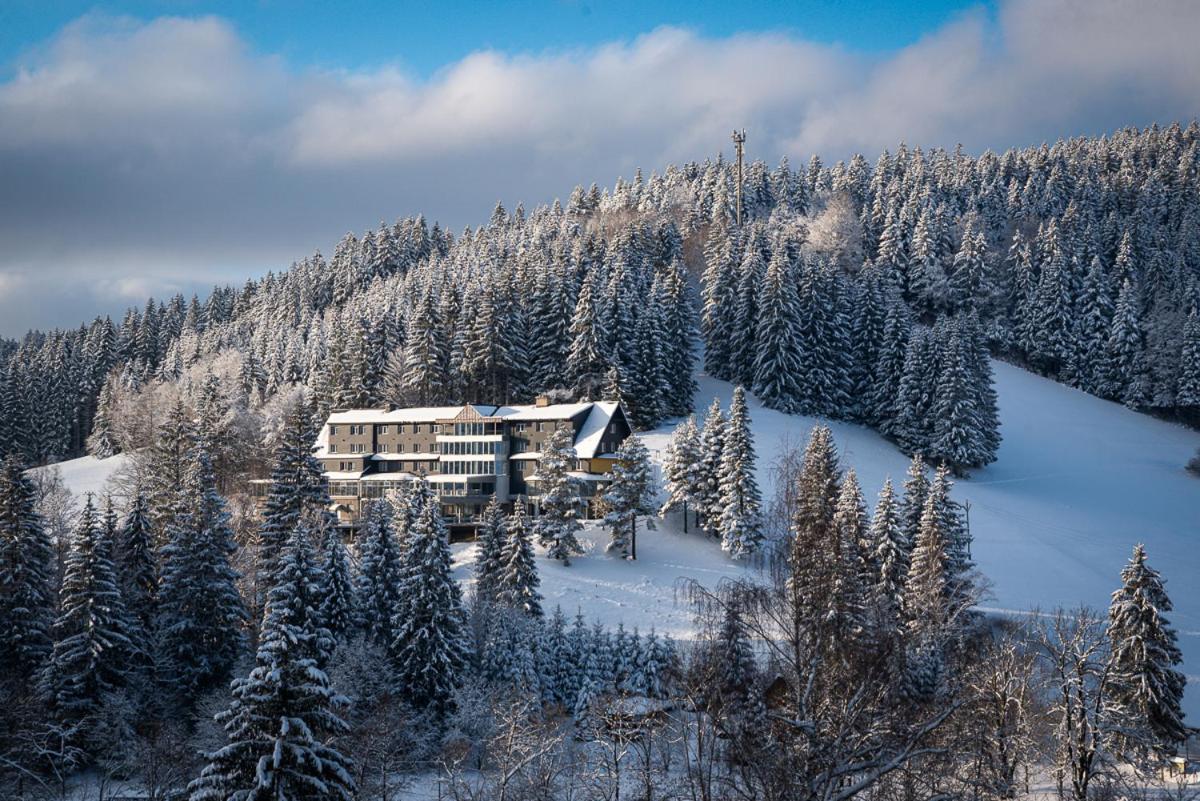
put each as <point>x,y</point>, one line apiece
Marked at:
<point>467,453</point>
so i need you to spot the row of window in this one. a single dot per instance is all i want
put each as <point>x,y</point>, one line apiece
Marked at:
<point>361,447</point>
<point>358,429</point>
<point>468,468</point>
<point>460,429</point>
<point>478,429</point>
<point>468,448</point>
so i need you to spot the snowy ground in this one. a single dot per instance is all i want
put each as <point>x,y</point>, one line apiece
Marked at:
<point>87,473</point>
<point>1078,482</point>
<point>643,594</point>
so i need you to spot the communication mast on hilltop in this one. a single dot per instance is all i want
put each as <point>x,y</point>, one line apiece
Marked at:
<point>739,143</point>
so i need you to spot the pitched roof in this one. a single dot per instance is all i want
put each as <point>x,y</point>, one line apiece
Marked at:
<point>593,429</point>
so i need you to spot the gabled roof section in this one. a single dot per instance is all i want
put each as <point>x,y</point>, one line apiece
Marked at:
<point>593,429</point>
<point>474,411</point>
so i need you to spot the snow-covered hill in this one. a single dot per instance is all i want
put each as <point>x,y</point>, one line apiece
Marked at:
<point>1078,481</point>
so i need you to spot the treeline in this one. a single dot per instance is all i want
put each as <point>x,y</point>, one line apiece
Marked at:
<point>1077,259</point>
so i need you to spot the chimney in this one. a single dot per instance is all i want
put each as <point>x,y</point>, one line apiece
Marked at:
<point>541,400</point>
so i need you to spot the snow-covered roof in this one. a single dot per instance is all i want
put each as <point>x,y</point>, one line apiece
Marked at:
<point>526,456</point>
<point>343,475</point>
<point>397,476</point>
<point>399,457</point>
<point>417,414</point>
<point>447,478</point>
<point>593,429</point>
<point>554,411</point>
<point>576,474</point>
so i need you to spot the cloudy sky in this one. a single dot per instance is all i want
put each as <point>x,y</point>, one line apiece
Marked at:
<point>161,146</point>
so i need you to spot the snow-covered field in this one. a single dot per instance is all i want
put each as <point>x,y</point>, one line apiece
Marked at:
<point>87,473</point>
<point>1078,482</point>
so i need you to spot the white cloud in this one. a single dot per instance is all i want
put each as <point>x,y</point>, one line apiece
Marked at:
<point>166,153</point>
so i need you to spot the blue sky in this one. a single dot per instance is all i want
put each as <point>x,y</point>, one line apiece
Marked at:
<point>148,148</point>
<point>425,36</point>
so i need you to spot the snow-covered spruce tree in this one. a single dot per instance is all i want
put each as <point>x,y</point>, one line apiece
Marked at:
<point>957,435</point>
<point>429,648</point>
<point>137,564</point>
<point>914,423</point>
<point>849,601</point>
<point>379,574</point>
<point>717,299</point>
<point>557,524</point>
<point>912,506</point>
<point>712,450</point>
<point>1093,326</point>
<point>166,469</point>
<point>200,612</point>
<point>881,402</point>
<point>91,649</point>
<point>297,490</point>
<point>812,574</point>
<point>517,582</point>
<point>586,365</point>
<point>26,576</point>
<point>1189,365</point>
<point>1145,688</point>
<point>682,469</point>
<point>777,365</point>
<point>929,614</point>
<point>960,588</point>
<point>558,660</point>
<point>738,687</point>
<point>741,502</point>
<point>488,548</point>
<point>890,552</point>
<point>1125,376</point>
<point>335,585</point>
<point>284,713</point>
<point>630,494</point>
<point>678,336</point>
<point>103,442</point>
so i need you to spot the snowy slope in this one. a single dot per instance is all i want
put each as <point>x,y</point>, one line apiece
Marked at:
<point>1078,481</point>
<point>87,473</point>
<point>643,594</point>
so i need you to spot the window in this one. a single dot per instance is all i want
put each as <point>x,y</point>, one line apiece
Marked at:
<point>332,430</point>
<point>538,426</point>
<point>357,447</point>
<point>519,427</point>
<point>333,447</point>
<point>437,428</point>
<point>416,428</point>
<point>400,428</point>
<point>381,429</point>
<point>400,447</point>
<point>383,448</point>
